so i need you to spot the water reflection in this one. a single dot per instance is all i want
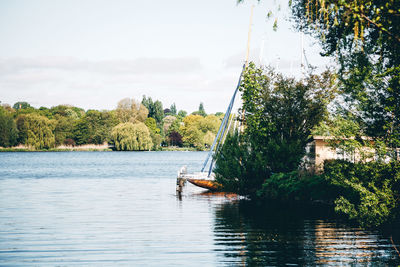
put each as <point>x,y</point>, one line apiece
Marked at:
<point>248,235</point>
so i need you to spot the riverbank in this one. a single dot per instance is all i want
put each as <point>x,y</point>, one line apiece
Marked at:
<point>89,147</point>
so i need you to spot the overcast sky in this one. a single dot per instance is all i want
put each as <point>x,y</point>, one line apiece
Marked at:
<point>93,53</point>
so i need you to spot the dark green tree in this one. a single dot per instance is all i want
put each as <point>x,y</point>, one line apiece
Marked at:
<point>81,131</point>
<point>201,110</point>
<point>279,115</point>
<point>173,110</point>
<point>8,129</point>
<point>21,105</point>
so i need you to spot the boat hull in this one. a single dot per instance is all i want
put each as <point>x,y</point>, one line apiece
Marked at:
<point>207,184</point>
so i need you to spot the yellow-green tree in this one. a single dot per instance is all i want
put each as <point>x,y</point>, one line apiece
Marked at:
<point>39,131</point>
<point>131,136</point>
<point>130,110</point>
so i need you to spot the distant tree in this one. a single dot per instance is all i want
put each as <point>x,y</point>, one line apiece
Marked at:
<point>208,138</point>
<point>193,137</point>
<point>129,136</point>
<point>167,112</point>
<point>173,109</point>
<point>43,111</point>
<point>155,108</point>
<point>100,124</point>
<point>201,111</point>
<point>21,128</point>
<point>155,135</point>
<point>81,132</point>
<point>8,129</point>
<point>130,110</point>
<point>167,121</point>
<point>209,123</point>
<point>175,139</point>
<point>158,112</point>
<point>191,134</point>
<point>152,125</point>
<point>175,126</point>
<point>63,129</point>
<point>21,105</point>
<point>39,132</point>
<point>68,111</point>
<point>219,114</point>
<point>148,103</point>
<point>182,114</point>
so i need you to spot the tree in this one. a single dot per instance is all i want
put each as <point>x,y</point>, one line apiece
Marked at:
<point>129,136</point>
<point>63,129</point>
<point>154,132</point>
<point>175,139</point>
<point>209,124</point>
<point>39,131</point>
<point>167,121</point>
<point>364,36</point>
<point>182,114</point>
<point>208,138</point>
<point>201,111</point>
<point>280,114</point>
<point>130,110</point>
<point>8,129</point>
<point>173,109</point>
<point>155,108</point>
<point>81,132</point>
<point>21,105</point>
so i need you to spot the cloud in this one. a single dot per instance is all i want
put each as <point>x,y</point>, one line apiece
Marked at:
<point>49,81</point>
<point>135,66</point>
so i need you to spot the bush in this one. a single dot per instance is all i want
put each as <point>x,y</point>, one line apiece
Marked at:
<point>368,192</point>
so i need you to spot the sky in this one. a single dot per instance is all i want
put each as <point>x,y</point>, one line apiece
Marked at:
<point>93,53</point>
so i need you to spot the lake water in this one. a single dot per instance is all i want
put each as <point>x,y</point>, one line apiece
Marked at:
<point>120,208</point>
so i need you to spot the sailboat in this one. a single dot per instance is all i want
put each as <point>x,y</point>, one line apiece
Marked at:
<point>206,178</point>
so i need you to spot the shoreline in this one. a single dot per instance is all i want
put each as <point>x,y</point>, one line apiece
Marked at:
<point>87,148</point>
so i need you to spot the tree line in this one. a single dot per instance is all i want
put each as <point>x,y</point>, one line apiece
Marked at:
<point>132,125</point>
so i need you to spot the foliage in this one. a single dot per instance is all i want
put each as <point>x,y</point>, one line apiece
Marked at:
<point>130,110</point>
<point>154,132</point>
<point>296,186</point>
<point>346,135</point>
<point>129,136</point>
<point>155,108</point>
<point>100,124</point>
<point>167,121</point>
<point>364,36</point>
<point>21,105</point>
<point>238,170</point>
<point>173,110</point>
<point>368,192</point>
<point>208,138</point>
<point>201,111</point>
<point>39,131</point>
<point>281,112</point>
<point>63,129</point>
<point>175,139</point>
<point>8,129</point>
<point>279,116</point>
<point>81,132</point>
<point>182,114</point>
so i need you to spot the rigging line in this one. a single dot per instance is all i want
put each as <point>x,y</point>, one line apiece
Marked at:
<point>224,122</point>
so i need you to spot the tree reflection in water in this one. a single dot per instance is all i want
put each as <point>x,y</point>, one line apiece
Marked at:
<point>247,234</point>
